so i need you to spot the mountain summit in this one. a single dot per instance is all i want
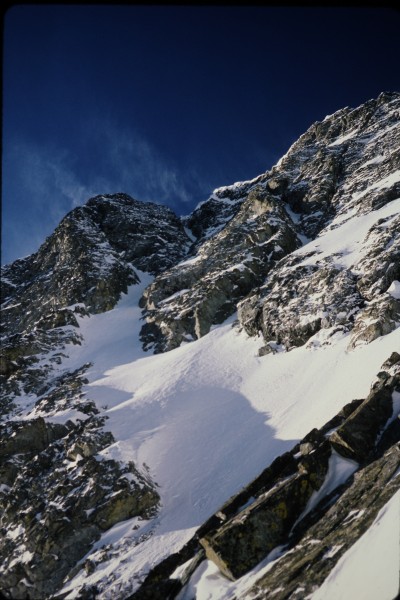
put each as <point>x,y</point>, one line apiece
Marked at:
<point>208,406</point>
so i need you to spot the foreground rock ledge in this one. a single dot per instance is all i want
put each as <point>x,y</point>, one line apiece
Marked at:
<point>270,511</point>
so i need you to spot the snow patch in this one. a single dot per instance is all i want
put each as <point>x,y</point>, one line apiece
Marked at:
<point>339,470</point>
<point>374,161</point>
<point>344,138</point>
<point>381,184</point>
<point>370,568</point>
<point>342,243</point>
<point>394,289</point>
<point>190,261</point>
<point>396,408</point>
<point>174,296</point>
<point>190,234</point>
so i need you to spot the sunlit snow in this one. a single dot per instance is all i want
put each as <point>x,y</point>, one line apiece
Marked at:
<point>370,568</point>
<point>394,289</point>
<point>207,417</point>
<point>344,138</point>
<point>344,243</point>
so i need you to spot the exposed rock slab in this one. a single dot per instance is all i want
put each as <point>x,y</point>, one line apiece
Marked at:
<point>303,569</point>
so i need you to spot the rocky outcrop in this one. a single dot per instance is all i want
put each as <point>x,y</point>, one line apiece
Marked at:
<point>379,317</point>
<point>303,569</point>
<point>211,216</point>
<point>357,437</point>
<point>184,302</point>
<point>57,496</point>
<point>29,437</point>
<point>240,544</point>
<point>347,167</point>
<point>299,301</point>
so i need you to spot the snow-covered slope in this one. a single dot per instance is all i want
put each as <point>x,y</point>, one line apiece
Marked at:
<point>124,472</point>
<point>207,418</point>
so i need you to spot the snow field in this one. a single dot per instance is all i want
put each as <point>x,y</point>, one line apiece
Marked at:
<point>370,569</point>
<point>207,417</point>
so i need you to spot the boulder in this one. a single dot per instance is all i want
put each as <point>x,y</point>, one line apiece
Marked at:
<point>29,437</point>
<point>380,317</point>
<point>124,504</point>
<point>357,436</point>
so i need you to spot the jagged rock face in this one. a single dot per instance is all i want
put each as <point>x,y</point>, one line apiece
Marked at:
<point>148,235</point>
<point>90,258</point>
<point>211,216</point>
<point>184,302</point>
<point>81,268</point>
<point>343,168</point>
<point>57,493</point>
<point>357,153</point>
<point>299,302</point>
<point>57,499</point>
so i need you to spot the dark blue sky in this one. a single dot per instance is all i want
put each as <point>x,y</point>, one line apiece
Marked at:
<point>168,102</point>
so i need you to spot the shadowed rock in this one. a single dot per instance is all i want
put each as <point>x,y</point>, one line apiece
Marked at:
<point>357,436</point>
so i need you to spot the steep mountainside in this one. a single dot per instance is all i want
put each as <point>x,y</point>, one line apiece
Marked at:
<point>342,168</point>
<point>60,505</point>
<point>81,269</point>
<point>208,406</point>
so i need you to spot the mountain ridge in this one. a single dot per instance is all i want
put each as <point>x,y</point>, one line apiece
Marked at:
<point>308,254</point>
<point>266,226</point>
